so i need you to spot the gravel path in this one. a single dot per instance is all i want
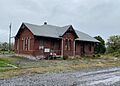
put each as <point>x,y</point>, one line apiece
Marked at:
<point>103,77</point>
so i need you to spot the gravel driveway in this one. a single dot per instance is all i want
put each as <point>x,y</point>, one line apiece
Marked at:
<point>101,77</point>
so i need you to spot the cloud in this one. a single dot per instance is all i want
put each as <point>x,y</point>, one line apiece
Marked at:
<point>95,17</point>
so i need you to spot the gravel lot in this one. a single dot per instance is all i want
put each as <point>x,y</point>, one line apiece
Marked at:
<point>96,77</point>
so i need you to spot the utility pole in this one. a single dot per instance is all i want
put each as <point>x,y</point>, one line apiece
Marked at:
<point>10,37</point>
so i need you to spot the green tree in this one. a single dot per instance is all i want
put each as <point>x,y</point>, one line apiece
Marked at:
<point>113,44</point>
<point>5,46</point>
<point>99,47</point>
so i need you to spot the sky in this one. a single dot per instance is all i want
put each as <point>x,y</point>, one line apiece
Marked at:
<point>94,17</point>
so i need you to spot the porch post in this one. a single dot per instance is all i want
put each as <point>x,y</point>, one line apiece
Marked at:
<point>74,49</point>
<point>62,48</point>
<point>18,46</point>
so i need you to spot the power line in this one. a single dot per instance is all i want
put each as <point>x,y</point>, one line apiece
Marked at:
<point>10,36</point>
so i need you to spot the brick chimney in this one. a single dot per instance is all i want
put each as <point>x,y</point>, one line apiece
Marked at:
<point>45,23</point>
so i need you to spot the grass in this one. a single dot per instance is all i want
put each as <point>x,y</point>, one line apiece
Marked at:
<point>6,52</point>
<point>2,64</point>
<point>28,67</point>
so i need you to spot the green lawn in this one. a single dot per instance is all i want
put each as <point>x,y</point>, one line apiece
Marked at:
<point>2,64</point>
<point>6,52</point>
<point>7,63</point>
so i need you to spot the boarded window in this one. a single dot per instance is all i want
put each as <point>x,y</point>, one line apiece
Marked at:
<point>90,48</point>
<point>26,44</point>
<point>23,43</point>
<point>17,44</point>
<point>70,45</point>
<point>29,43</point>
<point>66,44</point>
<point>41,44</point>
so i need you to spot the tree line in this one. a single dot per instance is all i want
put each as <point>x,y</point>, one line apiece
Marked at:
<point>4,46</point>
<point>112,46</point>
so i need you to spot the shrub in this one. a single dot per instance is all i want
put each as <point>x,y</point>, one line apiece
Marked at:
<point>65,57</point>
<point>96,56</point>
<point>116,54</point>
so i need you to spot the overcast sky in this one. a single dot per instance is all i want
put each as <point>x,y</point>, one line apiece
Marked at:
<point>94,17</point>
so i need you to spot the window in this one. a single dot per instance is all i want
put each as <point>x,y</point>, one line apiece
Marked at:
<point>23,43</point>
<point>70,45</point>
<point>17,44</point>
<point>75,47</point>
<point>41,45</point>
<point>26,43</point>
<point>29,43</point>
<point>66,44</point>
<point>41,42</point>
<point>67,34</point>
<point>90,48</point>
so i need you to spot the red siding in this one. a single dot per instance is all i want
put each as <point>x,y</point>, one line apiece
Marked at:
<point>48,43</point>
<point>68,36</point>
<point>24,34</point>
<point>87,51</point>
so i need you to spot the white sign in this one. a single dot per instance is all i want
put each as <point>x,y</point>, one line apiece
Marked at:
<point>47,50</point>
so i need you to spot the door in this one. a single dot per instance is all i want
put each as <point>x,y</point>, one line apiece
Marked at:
<point>82,50</point>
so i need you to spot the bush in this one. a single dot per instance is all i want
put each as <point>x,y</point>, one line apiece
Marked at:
<point>65,57</point>
<point>116,54</point>
<point>96,56</point>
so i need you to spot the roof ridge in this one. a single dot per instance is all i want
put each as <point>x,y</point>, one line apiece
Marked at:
<point>41,25</point>
<point>67,25</point>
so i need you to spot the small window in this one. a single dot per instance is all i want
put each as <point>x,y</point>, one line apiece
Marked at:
<point>68,34</point>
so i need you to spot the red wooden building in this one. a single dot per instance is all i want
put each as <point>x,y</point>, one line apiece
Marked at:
<point>48,39</point>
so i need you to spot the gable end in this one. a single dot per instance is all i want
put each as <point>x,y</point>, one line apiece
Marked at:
<point>22,27</point>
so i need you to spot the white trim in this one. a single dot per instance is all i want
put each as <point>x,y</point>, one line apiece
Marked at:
<point>29,43</point>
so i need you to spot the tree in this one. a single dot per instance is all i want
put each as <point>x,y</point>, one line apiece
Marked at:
<point>113,44</point>
<point>5,46</point>
<point>99,47</point>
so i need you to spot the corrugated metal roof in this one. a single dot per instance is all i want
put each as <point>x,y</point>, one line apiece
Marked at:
<point>56,32</point>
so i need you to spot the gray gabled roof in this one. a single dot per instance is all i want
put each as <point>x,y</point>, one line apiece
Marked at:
<point>56,32</point>
<point>85,37</point>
